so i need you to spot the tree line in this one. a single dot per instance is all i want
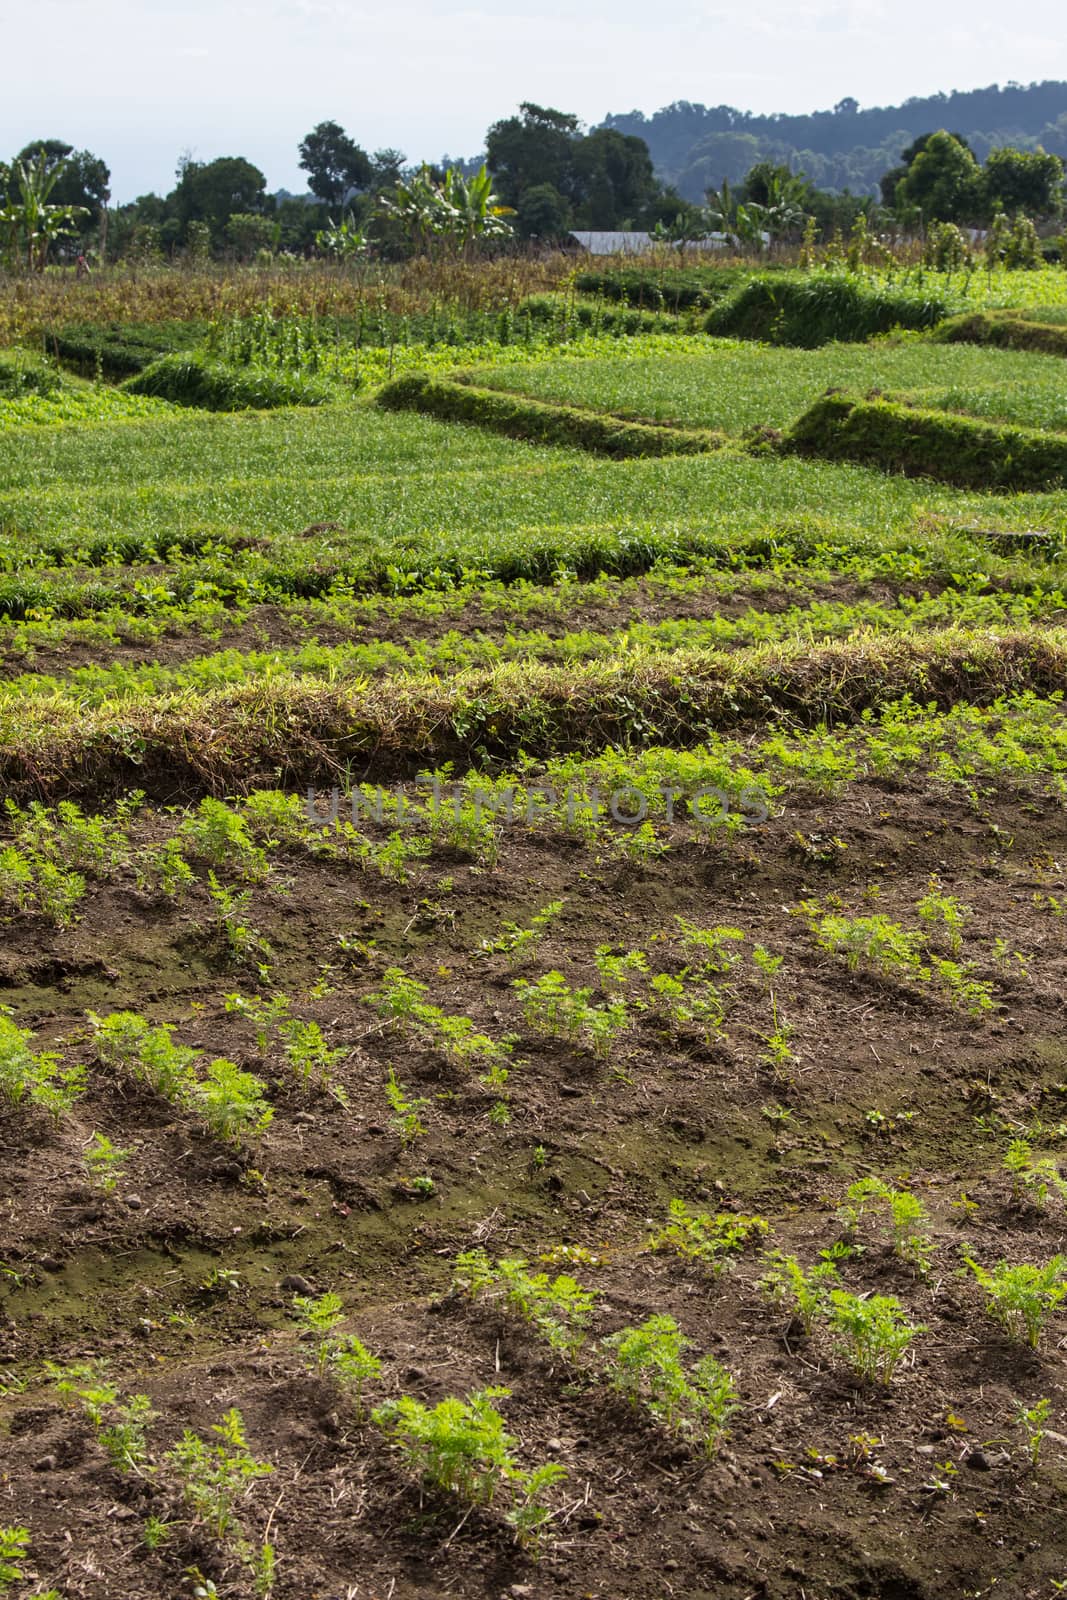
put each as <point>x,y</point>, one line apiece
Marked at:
<point>542,176</point>
<point>848,147</point>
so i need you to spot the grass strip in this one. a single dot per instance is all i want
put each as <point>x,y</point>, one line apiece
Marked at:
<point>540,423</point>
<point>1006,332</point>
<point>930,444</point>
<point>302,730</point>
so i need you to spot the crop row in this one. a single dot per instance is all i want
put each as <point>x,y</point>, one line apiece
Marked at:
<point>716,786</point>
<point>456,650</point>
<point>308,731</point>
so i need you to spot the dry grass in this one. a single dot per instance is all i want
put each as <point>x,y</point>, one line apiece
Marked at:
<point>32,306</point>
<point>305,730</point>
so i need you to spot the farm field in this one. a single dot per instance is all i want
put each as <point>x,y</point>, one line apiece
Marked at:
<point>533,1058</point>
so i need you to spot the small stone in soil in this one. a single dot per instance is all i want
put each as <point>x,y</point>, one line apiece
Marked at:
<point>295,1284</point>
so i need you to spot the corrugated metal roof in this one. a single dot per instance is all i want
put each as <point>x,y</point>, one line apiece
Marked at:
<point>613,244</point>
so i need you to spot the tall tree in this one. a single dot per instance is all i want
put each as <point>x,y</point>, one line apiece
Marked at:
<point>613,175</point>
<point>213,191</point>
<point>944,182</point>
<point>532,149</point>
<point>1024,180</point>
<point>387,168</point>
<point>602,179</point>
<point>335,164</point>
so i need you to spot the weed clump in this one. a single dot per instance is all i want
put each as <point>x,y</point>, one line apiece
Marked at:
<point>187,378</point>
<point>827,309</point>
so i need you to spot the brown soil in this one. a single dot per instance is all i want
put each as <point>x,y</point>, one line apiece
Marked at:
<point>326,1196</point>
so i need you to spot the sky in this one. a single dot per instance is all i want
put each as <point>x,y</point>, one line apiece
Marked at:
<point>139,82</point>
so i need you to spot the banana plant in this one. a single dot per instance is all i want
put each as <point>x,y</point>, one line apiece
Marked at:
<point>30,223</point>
<point>344,240</point>
<point>750,224</point>
<point>456,213</point>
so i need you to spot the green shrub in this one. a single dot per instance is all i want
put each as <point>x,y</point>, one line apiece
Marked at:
<point>930,444</point>
<point>190,379</point>
<point>807,312</point>
<point>539,423</point>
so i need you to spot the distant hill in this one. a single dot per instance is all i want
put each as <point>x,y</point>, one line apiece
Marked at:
<point>850,147</point>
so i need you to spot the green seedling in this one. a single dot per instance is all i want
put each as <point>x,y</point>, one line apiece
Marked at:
<point>156,1532</point>
<point>710,949</point>
<point>126,1040</point>
<point>806,1294</point>
<point>344,1358</point>
<point>707,1238</point>
<point>559,1309</point>
<point>768,964</point>
<point>874,1332</point>
<point>616,971</point>
<point>907,1219</point>
<point>105,1162</point>
<point>265,1016</point>
<point>124,1436</point>
<point>120,1422</point>
<point>1021,1297</point>
<point>779,1052</point>
<point>14,1547</point>
<point>220,836</point>
<point>215,1474</point>
<point>405,1117</point>
<point>530,1512</point>
<point>876,940</point>
<point>945,913</point>
<point>1032,1420</point>
<point>308,1053</point>
<point>392,859</point>
<point>1033,1176</point>
<point>245,943</point>
<point>164,871</point>
<point>646,1368</point>
<point>35,1079</point>
<point>232,1103</point>
<point>552,1007</point>
<point>401,999</point>
<point>221,1281</point>
<point>690,1004</point>
<point>461,1447</point>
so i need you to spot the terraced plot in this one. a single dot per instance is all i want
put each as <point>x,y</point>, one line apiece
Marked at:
<point>534,995</point>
